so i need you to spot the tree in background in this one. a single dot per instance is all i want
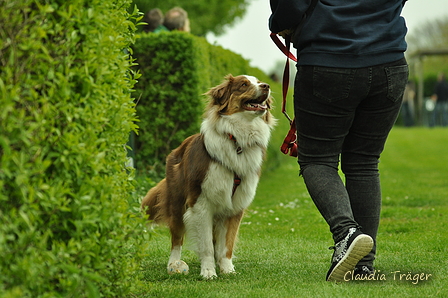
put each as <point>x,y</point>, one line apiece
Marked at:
<point>427,55</point>
<point>432,35</point>
<point>206,16</point>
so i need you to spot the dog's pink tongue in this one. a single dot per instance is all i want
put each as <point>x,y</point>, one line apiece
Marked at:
<point>256,107</point>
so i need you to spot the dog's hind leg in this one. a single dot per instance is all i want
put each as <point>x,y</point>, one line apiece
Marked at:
<point>175,264</point>
<point>226,235</point>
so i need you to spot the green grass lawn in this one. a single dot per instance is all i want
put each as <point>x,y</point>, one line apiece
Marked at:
<point>283,246</point>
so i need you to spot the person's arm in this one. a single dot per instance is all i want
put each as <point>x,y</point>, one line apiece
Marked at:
<point>286,14</point>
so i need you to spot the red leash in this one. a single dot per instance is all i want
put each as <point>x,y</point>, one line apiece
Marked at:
<point>290,142</point>
<point>282,47</point>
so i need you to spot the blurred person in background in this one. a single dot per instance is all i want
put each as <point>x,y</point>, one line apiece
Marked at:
<point>407,107</point>
<point>440,98</point>
<point>154,19</point>
<point>177,19</point>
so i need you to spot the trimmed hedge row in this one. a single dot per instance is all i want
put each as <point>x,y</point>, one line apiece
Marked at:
<point>65,115</point>
<point>176,69</point>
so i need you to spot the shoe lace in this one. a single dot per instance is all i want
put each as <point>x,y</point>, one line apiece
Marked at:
<point>341,246</point>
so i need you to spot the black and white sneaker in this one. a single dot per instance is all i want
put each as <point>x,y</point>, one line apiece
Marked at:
<point>348,252</point>
<point>363,270</point>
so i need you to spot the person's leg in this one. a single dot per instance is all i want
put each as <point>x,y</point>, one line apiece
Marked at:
<point>432,115</point>
<point>437,114</point>
<point>445,113</point>
<point>407,114</point>
<point>375,117</point>
<point>325,101</point>
<point>325,106</point>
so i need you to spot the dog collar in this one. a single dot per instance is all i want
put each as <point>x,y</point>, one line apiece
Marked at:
<point>239,150</point>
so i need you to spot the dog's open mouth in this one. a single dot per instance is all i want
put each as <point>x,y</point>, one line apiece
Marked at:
<point>258,104</point>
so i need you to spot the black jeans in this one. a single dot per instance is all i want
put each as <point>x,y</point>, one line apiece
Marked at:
<point>346,113</point>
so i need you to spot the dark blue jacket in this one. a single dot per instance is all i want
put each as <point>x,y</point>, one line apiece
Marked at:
<point>343,33</point>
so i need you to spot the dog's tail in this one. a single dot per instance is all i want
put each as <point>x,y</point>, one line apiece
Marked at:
<point>152,203</point>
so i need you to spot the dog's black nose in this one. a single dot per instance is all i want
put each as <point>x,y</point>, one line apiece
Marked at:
<point>264,86</point>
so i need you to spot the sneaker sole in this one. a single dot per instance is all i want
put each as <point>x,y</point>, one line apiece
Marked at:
<point>359,248</point>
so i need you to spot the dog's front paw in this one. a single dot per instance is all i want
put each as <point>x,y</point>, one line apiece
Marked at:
<point>208,273</point>
<point>226,266</point>
<point>178,267</point>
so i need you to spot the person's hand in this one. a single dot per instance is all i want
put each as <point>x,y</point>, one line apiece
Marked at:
<point>285,33</point>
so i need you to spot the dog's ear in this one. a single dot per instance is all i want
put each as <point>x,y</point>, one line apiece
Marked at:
<point>220,93</point>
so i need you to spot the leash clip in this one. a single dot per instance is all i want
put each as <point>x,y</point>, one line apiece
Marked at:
<point>290,142</point>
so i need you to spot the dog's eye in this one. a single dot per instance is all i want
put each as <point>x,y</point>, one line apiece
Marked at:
<point>244,85</point>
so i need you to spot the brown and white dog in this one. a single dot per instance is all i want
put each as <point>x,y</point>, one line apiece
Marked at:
<point>212,176</point>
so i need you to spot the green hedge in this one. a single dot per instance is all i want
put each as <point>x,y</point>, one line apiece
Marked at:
<point>65,115</point>
<point>176,69</point>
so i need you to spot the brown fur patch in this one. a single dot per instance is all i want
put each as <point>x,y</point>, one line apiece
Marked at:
<point>232,224</point>
<point>186,167</point>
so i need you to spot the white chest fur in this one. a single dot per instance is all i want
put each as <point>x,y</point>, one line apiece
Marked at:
<point>252,136</point>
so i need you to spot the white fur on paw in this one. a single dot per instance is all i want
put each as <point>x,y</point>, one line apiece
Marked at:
<point>226,266</point>
<point>208,273</point>
<point>178,267</point>
<point>228,270</point>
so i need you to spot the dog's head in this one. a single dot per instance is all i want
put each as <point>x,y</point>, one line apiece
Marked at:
<point>241,94</point>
